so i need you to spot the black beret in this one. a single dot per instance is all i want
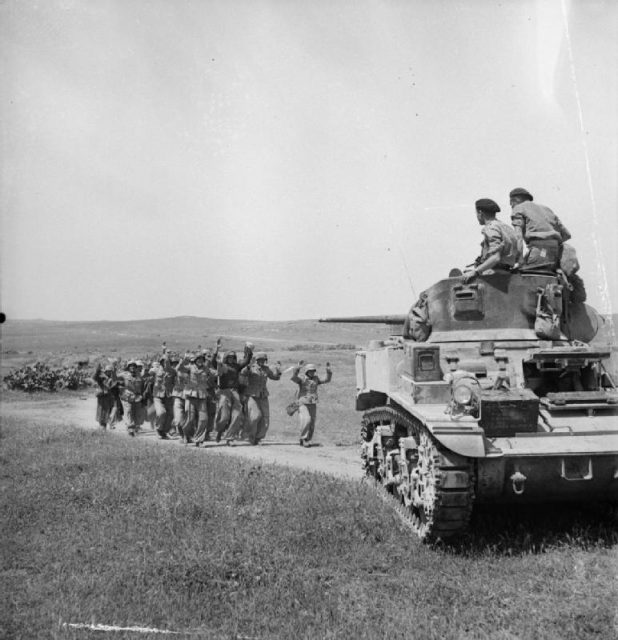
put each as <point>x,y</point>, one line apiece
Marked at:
<point>485,204</point>
<point>519,191</point>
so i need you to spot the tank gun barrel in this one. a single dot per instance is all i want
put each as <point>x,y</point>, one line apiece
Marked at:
<point>389,319</point>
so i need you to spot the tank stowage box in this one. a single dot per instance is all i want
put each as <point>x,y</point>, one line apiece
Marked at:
<point>488,409</point>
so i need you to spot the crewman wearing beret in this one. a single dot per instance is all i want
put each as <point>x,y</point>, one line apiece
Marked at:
<point>500,248</point>
<point>541,229</point>
<point>254,376</point>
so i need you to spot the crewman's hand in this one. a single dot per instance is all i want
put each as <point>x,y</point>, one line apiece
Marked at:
<point>469,276</point>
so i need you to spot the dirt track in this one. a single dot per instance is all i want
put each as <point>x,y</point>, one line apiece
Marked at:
<point>342,461</point>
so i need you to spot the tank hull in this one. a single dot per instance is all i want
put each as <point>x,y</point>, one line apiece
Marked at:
<point>486,411</point>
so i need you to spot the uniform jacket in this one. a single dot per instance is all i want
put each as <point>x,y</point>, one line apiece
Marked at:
<point>163,380</point>
<point>308,387</point>
<point>500,238</point>
<point>228,374</point>
<point>200,382</point>
<point>538,222</point>
<point>108,384</point>
<point>254,378</point>
<point>131,387</point>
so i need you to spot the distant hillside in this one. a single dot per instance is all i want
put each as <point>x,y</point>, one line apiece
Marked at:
<point>184,332</point>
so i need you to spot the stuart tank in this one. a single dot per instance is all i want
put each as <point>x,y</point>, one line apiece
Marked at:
<point>492,394</point>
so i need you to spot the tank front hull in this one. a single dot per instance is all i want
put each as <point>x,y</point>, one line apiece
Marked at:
<point>554,478</point>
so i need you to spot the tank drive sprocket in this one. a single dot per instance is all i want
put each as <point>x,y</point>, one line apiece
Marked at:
<point>434,486</point>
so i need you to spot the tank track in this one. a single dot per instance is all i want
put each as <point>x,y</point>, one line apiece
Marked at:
<point>433,487</point>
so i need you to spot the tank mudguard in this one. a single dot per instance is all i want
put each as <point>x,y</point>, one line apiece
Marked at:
<point>462,436</point>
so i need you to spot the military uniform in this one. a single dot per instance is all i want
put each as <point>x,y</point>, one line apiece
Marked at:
<point>163,381</point>
<point>307,400</point>
<point>198,386</point>
<point>178,395</point>
<point>131,387</point>
<point>106,395</point>
<point>255,377</point>
<point>500,238</point>
<point>543,233</point>
<point>228,418</point>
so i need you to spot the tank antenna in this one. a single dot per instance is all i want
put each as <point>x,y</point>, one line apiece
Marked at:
<point>602,287</point>
<point>402,255</point>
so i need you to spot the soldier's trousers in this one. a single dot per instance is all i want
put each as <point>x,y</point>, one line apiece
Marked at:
<point>197,417</point>
<point>164,408</point>
<point>179,414</point>
<point>229,413</point>
<point>306,418</point>
<point>258,419</point>
<point>205,426</point>
<point>105,404</point>
<point>134,415</point>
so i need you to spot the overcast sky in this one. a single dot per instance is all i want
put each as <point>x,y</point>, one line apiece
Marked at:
<point>284,159</point>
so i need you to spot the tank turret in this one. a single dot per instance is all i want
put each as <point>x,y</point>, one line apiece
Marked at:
<point>492,394</point>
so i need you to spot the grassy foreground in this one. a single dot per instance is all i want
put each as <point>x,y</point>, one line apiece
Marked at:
<point>99,528</point>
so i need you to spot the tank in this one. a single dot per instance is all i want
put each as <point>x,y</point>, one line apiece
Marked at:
<point>492,394</point>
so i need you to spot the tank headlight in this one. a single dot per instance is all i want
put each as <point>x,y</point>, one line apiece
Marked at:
<point>462,394</point>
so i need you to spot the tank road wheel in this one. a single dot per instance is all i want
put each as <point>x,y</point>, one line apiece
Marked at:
<point>433,485</point>
<point>375,448</point>
<point>441,491</point>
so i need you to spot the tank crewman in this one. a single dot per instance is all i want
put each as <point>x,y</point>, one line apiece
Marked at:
<point>229,407</point>
<point>163,375</point>
<point>196,394</point>
<point>106,395</point>
<point>501,246</point>
<point>308,397</point>
<point>131,386</point>
<point>255,376</point>
<point>178,395</point>
<point>541,229</point>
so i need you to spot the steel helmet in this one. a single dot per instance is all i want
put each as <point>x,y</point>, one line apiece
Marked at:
<point>260,355</point>
<point>229,354</point>
<point>310,367</point>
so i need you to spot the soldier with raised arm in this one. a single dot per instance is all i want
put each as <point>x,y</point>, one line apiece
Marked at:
<point>255,377</point>
<point>163,375</point>
<point>229,408</point>
<point>308,397</point>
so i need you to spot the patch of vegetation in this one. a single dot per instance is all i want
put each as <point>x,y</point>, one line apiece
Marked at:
<point>100,528</point>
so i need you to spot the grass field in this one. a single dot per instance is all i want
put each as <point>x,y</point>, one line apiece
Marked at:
<point>99,529</point>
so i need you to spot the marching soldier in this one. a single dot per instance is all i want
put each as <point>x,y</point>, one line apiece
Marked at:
<point>255,376</point>
<point>198,383</point>
<point>229,408</point>
<point>131,385</point>
<point>178,396</point>
<point>308,397</point>
<point>163,375</point>
<point>107,394</point>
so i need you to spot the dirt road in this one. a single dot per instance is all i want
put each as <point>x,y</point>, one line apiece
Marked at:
<point>341,461</point>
